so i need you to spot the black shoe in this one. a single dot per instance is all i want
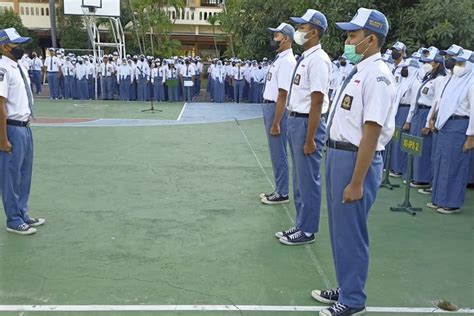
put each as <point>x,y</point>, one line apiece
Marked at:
<point>275,199</point>
<point>330,296</point>
<point>23,229</point>
<point>265,195</point>
<point>35,222</point>
<point>415,184</point>
<point>395,174</point>
<point>298,238</point>
<point>339,309</point>
<point>287,232</point>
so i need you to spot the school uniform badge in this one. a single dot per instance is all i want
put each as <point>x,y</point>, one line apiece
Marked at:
<point>347,102</point>
<point>269,76</point>
<point>425,90</point>
<point>3,71</point>
<point>297,79</point>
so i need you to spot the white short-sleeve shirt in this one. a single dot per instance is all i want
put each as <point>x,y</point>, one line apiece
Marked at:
<point>12,88</point>
<point>187,71</point>
<point>369,96</point>
<point>313,74</point>
<point>52,64</point>
<point>279,75</point>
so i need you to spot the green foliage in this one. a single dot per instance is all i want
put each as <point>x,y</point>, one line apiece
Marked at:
<point>151,26</point>
<point>71,32</point>
<point>11,19</point>
<point>415,22</point>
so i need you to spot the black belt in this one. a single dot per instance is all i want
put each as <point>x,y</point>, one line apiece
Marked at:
<point>422,106</point>
<point>52,72</point>
<point>458,117</point>
<point>268,101</point>
<point>341,145</point>
<point>18,123</point>
<point>296,114</point>
<point>403,105</point>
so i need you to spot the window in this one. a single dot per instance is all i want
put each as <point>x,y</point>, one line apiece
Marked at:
<point>182,14</point>
<point>42,11</point>
<point>47,11</point>
<point>27,11</point>
<point>174,15</point>
<point>187,15</point>
<point>200,16</point>
<point>192,15</point>
<point>22,11</point>
<point>205,15</point>
<point>37,11</point>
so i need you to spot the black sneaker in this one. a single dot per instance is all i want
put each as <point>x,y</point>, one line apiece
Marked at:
<point>427,191</point>
<point>297,238</point>
<point>22,229</point>
<point>415,184</point>
<point>287,232</point>
<point>448,210</point>
<point>35,222</point>
<point>275,199</point>
<point>394,174</point>
<point>265,195</point>
<point>330,296</point>
<point>339,309</point>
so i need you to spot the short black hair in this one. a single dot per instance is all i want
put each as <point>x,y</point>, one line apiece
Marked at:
<point>380,37</point>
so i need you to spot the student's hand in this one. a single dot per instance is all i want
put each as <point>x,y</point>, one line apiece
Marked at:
<point>309,148</point>
<point>352,193</point>
<point>275,130</point>
<point>469,144</point>
<point>406,127</point>
<point>6,146</point>
<point>425,131</point>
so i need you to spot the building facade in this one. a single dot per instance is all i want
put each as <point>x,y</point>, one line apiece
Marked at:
<point>190,24</point>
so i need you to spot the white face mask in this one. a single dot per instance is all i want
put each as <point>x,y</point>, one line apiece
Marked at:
<point>299,38</point>
<point>459,70</point>
<point>427,68</point>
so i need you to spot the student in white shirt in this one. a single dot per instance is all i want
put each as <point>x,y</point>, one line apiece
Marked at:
<point>455,137</point>
<point>124,79</point>
<point>275,92</point>
<point>16,141</point>
<point>187,80</point>
<point>158,78</point>
<point>360,125</point>
<point>307,103</point>
<point>52,66</point>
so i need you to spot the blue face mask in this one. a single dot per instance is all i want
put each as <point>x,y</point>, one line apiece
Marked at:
<point>351,54</point>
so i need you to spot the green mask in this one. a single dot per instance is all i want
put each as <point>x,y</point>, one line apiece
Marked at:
<point>351,55</point>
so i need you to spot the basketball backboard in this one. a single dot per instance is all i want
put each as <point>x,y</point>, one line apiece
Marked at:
<point>109,8</point>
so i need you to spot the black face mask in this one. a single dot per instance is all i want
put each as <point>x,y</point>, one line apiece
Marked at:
<point>396,55</point>
<point>135,60</point>
<point>404,72</point>
<point>17,52</point>
<point>80,62</point>
<point>343,63</point>
<point>111,58</point>
<point>142,59</point>
<point>259,67</point>
<point>275,44</point>
<point>449,63</point>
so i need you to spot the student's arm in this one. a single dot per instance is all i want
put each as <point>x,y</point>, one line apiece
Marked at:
<point>317,99</point>
<point>469,144</point>
<point>355,190</point>
<point>279,111</point>
<point>4,142</point>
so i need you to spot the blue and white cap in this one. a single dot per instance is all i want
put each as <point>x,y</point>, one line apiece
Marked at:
<point>416,55</point>
<point>285,29</point>
<point>313,17</point>
<point>400,47</point>
<point>11,36</point>
<point>464,55</point>
<point>433,55</point>
<point>368,19</point>
<point>453,50</point>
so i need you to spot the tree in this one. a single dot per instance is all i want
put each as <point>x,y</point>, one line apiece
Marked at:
<point>213,20</point>
<point>415,22</point>
<point>152,25</point>
<point>9,19</point>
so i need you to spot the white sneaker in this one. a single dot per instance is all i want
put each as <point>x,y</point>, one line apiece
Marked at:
<point>426,191</point>
<point>23,229</point>
<point>431,205</point>
<point>35,222</point>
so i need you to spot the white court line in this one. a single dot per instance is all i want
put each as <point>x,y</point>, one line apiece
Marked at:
<point>182,111</point>
<point>287,211</point>
<point>211,308</point>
